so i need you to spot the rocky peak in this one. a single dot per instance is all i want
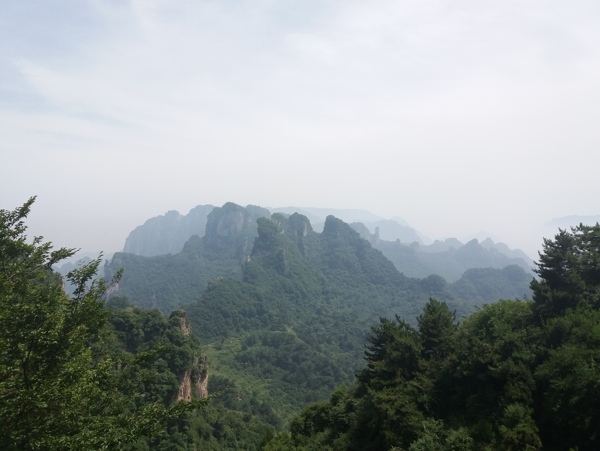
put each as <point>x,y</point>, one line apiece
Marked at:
<point>167,234</point>
<point>194,381</point>
<point>231,229</point>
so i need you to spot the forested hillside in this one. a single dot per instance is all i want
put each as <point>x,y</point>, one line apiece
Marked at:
<point>401,244</point>
<point>79,373</point>
<point>296,322</point>
<point>275,359</point>
<point>169,281</point>
<point>176,369</point>
<point>515,375</point>
<point>293,328</point>
<point>283,309</point>
<point>474,273</point>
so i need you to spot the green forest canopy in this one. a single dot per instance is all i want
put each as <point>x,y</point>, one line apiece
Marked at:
<point>64,383</point>
<point>512,376</point>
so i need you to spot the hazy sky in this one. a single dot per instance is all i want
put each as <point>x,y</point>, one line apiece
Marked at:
<point>458,116</point>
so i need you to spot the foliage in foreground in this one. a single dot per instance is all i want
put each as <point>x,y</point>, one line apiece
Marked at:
<point>174,355</point>
<point>512,376</point>
<point>63,385</point>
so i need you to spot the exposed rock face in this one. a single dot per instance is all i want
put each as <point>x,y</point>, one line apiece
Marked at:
<point>186,330</point>
<point>168,233</point>
<point>231,229</point>
<point>194,381</point>
<point>201,379</point>
<point>185,388</point>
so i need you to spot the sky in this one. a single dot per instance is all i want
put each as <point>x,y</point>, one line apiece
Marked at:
<point>463,118</point>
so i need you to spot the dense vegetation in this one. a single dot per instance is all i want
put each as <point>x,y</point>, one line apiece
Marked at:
<point>177,369</point>
<point>294,327</point>
<point>63,385</point>
<point>79,371</point>
<point>169,281</point>
<point>79,374</point>
<point>512,376</point>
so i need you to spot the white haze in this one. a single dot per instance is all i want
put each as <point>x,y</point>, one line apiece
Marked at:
<point>464,118</point>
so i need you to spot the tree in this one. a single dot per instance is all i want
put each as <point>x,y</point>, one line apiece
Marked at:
<point>567,301</point>
<point>493,386</point>
<point>61,385</point>
<point>568,384</point>
<point>569,272</point>
<point>391,389</point>
<point>437,328</point>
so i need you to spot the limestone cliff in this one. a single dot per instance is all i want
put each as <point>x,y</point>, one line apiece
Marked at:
<point>168,233</point>
<point>168,281</point>
<point>194,381</point>
<point>201,377</point>
<point>231,230</point>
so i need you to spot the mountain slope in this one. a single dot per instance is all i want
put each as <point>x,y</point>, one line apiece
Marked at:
<point>294,327</point>
<point>449,259</point>
<point>168,233</point>
<point>168,281</point>
<point>284,309</point>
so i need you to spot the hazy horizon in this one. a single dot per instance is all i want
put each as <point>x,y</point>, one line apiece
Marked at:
<point>460,118</point>
<point>547,230</point>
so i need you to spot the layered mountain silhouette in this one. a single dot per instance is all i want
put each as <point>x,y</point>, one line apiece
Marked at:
<point>231,241</point>
<point>167,234</point>
<point>400,243</point>
<point>168,281</point>
<point>281,304</point>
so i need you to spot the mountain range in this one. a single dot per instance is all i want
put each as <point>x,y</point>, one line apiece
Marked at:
<point>403,245</point>
<point>283,309</point>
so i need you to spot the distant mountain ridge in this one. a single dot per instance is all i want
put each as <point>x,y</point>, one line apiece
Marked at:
<point>449,259</point>
<point>296,320</point>
<point>400,243</point>
<point>230,241</point>
<point>168,281</point>
<point>168,233</point>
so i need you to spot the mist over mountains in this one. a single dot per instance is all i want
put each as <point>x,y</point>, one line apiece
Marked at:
<point>167,233</point>
<point>400,243</point>
<point>219,241</point>
<point>284,305</point>
<point>278,314</point>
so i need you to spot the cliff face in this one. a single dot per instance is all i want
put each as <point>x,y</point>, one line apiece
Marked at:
<point>194,381</point>
<point>168,281</point>
<point>231,229</point>
<point>185,388</point>
<point>201,377</point>
<point>168,233</point>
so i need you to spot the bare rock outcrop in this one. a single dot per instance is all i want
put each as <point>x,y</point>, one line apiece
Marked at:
<point>194,381</point>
